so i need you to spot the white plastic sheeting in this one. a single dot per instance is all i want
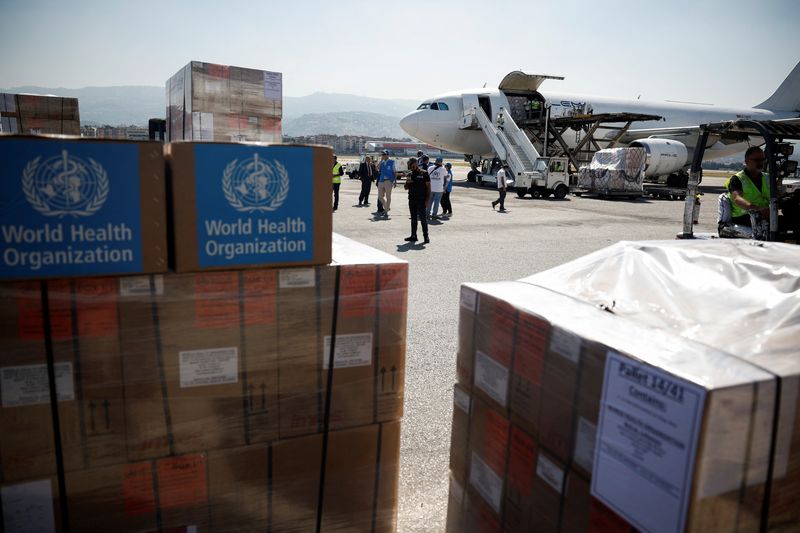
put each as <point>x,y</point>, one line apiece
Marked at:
<point>739,296</point>
<point>614,170</point>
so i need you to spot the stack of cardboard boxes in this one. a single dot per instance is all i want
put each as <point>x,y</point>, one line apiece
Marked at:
<point>258,398</point>
<point>37,114</point>
<point>572,414</point>
<point>209,102</point>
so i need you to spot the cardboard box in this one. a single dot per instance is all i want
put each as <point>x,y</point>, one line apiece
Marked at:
<point>87,365</point>
<point>489,435</point>
<point>72,207</point>
<point>240,205</point>
<point>455,507</point>
<point>31,505</point>
<point>38,114</point>
<point>200,356</point>
<point>726,398</point>
<point>367,384</point>
<point>459,436</point>
<point>221,103</point>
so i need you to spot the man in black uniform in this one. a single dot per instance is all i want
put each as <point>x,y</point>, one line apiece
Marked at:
<point>418,185</point>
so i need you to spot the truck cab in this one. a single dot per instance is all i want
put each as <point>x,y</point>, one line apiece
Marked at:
<point>550,175</point>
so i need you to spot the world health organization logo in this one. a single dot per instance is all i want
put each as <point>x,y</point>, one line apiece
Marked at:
<point>255,184</point>
<point>65,185</point>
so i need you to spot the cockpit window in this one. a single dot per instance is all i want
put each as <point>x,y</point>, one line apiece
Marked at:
<point>442,106</point>
<point>424,105</point>
<point>435,106</point>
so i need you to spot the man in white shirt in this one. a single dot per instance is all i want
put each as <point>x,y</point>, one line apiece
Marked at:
<point>438,176</point>
<point>502,185</point>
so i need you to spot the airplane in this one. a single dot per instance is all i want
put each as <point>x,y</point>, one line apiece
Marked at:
<point>443,120</point>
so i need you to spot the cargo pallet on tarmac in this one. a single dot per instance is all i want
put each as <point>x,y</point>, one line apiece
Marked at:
<point>665,193</point>
<point>606,194</point>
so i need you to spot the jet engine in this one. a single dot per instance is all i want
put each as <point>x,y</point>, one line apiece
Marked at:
<point>664,156</point>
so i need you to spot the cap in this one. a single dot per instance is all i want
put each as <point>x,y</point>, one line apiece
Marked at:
<point>448,165</point>
<point>439,160</point>
<point>385,152</point>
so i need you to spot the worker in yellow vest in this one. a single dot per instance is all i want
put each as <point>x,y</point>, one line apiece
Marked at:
<point>338,172</point>
<point>748,190</point>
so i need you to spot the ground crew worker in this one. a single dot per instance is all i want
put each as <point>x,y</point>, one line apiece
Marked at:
<point>338,172</point>
<point>500,120</point>
<point>418,185</point>
<point>748,189</point>
<point>502,185</point>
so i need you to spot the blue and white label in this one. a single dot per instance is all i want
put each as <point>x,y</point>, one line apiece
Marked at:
<point>254,204</point>
<point>69,208</point>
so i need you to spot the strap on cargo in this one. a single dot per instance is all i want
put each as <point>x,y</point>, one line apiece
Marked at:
<point>243,358</point>
<point>377,485</point>
<point>78,375</point>
<point>328,396</point>
<point>160,359</point>
<point>51,379</point>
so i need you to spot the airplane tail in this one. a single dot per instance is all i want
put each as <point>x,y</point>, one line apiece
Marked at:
<point>787,96</point>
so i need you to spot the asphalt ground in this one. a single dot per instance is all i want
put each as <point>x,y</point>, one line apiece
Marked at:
<point>479,244</point>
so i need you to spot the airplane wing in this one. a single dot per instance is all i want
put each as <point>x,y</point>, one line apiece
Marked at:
<point>689,134</point>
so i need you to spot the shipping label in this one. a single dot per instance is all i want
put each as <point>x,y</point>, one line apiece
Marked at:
<point>29,384</point>
<point>357,296</point>
<point>28,507</point>
<point>584,444</point>
<point>69,208</point>
<point>273,86</point>
<point>491,377</point>
<point>551,473</point>
<point>647,438</point>
<point>565,344</point>
<point>486,481</point>
<point>297,278</point>
<point>522,459</point>
<point>254,204</point>
<point>137,489</point>
<point>96,303</point>
<point>529,352</point>
<point>393,289</point>
<point>216,302</point>
<point>504,322</point>
<point>350,351</point>
<point>182,481</point>
<point>260,304</point>
<point>469,299</point>
<point>461,399</point>
<point>213,366</point>
<point>140,286</point>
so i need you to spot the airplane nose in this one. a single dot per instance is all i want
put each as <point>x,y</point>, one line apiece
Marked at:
<point>410,124</point>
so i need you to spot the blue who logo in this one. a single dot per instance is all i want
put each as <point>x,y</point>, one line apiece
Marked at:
<point>65,185</point>
<point>255,184</point>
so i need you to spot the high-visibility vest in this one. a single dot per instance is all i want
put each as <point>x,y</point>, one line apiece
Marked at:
<point>337,176</point>
<point>750,192</point>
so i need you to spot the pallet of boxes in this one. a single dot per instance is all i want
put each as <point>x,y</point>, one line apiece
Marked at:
<point>184,346</point>
<point>646,387</point>
<point>35,114</point>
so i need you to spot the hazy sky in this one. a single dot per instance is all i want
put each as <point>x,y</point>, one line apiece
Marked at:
<point>723,51</point>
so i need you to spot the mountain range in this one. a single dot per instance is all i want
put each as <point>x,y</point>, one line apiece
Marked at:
<point>344,114</point>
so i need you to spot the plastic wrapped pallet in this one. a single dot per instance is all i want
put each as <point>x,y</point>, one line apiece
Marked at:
<point>614,170</point>
<point>223,103</point>
<point>39,114</point>
<point>259,399</point>
<point>625,371</point>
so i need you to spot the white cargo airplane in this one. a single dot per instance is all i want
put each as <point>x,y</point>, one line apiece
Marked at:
<point>440,121</point>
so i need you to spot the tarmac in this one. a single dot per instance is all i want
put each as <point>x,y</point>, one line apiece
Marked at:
<point>480,244</point>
